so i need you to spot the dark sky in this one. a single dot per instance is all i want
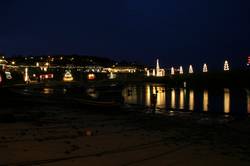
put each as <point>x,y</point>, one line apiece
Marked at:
<point>176,31</point>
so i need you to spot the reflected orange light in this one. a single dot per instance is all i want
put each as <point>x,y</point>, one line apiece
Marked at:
<point>161,97</point>
<point>226,101</point>
<point>148,95</point>
<point>181,99</point>
<point>191,100</point>
<point>173,98</point>
<point>205,101</point>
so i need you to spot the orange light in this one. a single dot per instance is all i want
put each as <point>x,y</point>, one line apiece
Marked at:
<point>91,76</point>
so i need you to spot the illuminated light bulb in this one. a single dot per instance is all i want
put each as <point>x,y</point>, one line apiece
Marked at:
<point>190,71</point>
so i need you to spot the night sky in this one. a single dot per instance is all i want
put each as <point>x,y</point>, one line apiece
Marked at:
<point>179,32</point>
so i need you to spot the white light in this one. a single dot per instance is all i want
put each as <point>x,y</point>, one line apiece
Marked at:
<point>172,70</point>
<point>112,76</point>
<point>226,66</point>
<point>26,75</point>
<point>205,70</point>
<point>148,73</point>
<point>154,72</point>
<point>181,70</point>
<point>190,71</point>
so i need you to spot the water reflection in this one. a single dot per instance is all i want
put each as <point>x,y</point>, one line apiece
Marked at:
<point>226,100</point>
<point>173,99</point>
<point>161,96</point>
<point>131,95</point>
<point>183,99</point>
<point>47,91</point>
<point>181,106</point>
<point>191,100</point>
<point>148,95</point>
<point>205,100</point>
<point>92,92</point>
<point>248,101</point>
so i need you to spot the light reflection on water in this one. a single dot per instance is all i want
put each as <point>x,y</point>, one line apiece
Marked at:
<point>148,95</point>
<point>185,99</point>
<point>226,100</point>
<point>181,99</point>
<point>191,100</point>
<point>205,100</point>
<point>173,99</point>
<point>161,96</point>
<point>248,101</point>
<point>47,91</point>
<point>131,95</point>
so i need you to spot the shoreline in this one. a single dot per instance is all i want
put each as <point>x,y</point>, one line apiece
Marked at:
<point>54,133</point>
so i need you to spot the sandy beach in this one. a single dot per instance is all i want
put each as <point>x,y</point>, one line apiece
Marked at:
<point>44,131</point>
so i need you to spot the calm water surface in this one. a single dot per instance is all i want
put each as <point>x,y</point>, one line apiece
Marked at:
<point>228,101</point>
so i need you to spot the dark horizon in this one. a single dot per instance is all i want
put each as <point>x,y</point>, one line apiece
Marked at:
<point>176,32</point>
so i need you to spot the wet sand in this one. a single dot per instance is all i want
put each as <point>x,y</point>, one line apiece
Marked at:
<point>46,131</point>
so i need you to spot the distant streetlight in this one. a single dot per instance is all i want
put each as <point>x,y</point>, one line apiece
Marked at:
<point>13,62</point>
